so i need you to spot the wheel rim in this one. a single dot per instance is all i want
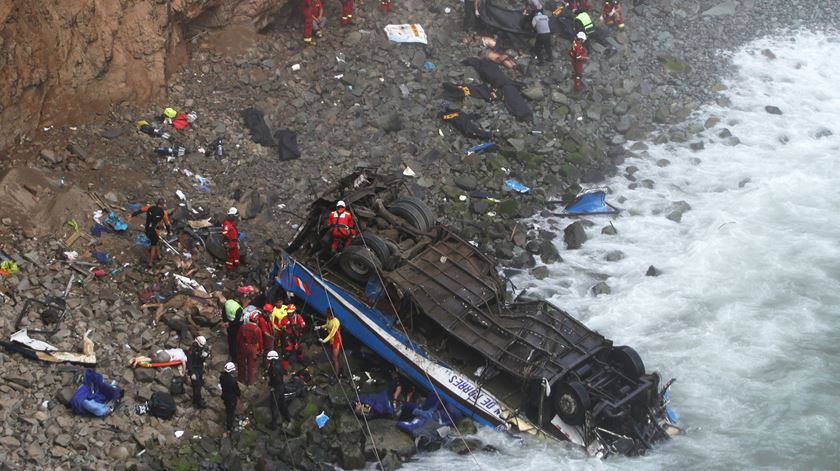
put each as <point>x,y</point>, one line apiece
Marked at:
<point>568,405</point>
<point>359,267</point>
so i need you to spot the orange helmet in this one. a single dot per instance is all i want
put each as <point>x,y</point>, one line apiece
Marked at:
<point>291,308</point>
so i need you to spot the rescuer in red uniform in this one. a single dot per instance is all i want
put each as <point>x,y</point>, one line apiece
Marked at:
<point>313,14</point>
<point>612,13</point>
<point>248,345</point>
<point>342,227</point>
<point>578,55</point>
<point>346,12</point>
<point>291,330</point>
<point>231,237</point>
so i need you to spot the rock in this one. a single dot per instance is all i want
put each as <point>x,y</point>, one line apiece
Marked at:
<point>119,452</point>
<point>823,132</point>
<point>534,93</point>
<point>624,124</point>
<point>541,272</point>
<point>10,442</point>
<point>549,253</point>
<point>601,288</point>
<point>351,456</point>
<point>523,259</point>
<point>697,146</point>
<point>574,235</point>
<point>76,150</point>
<point>144,375</point>
<point>463,446</point>
<point>251,204</point>
<point>466,182</point>
<point>63,440</point>
<point>504,250</point>
<point>111,197</point>
<point>711,122</point>
<point>652,271</point>
<point>609,230</point>
<point>744,182</point>
<point>614,256</point>
<point>50,156</point>
<point>98,164</point>
<point>391,122</point>
<point>768,54</point>
<point>727,8</point>
<point>772,109</point>
<point>677,211</point>
<point>389,462</point>
<point>65,394</point>
<point>387,439</point>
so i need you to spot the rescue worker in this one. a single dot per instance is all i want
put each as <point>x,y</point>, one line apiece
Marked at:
<point>266,329</point>
<point>154,215</point>
<point>578,55</point>
<point>196,356</point>
<point>346,12</point>
<point>542,44</point>
<point>277,390</point>
<point>342,227</point>
<point>583,22</point>
<point>313,14</point>
<point>574,5</point>
<point>291,331</point>
<point>232,320</point>
<point>248,345</point>
<point>386,5</point>
<point>334,337</point>
<point>277,316</point>
<point>231,236</point>
<point>530,10</point>
<point>611,14</point>
<point>230,395</point>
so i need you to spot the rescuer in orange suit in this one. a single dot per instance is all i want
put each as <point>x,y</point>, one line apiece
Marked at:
<point>578,55</point>
<point>342,227</point>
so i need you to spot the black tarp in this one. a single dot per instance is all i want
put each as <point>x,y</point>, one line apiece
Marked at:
<point>255,122</point>
<point>491,73</point>
<point>511,21</point>
<point>288,144</point>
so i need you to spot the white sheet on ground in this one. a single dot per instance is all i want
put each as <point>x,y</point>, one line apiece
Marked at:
<point>409,33</point>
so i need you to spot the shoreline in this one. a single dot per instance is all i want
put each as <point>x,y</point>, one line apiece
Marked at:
<point>272,185</point>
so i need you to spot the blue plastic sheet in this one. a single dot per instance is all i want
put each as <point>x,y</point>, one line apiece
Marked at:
<point>114,222</point>
<point>479,148</point>
<point>142,240</point>
<point>517,187</point>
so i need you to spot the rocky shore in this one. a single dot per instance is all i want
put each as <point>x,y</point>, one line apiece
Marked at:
<point>356,100</point>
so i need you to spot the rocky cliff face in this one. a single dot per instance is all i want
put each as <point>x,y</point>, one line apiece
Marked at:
<point>63,60</point>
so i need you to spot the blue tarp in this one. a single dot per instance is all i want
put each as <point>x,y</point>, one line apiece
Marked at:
<point>94,396</point>
<point>591,202</point>
<point>113,221</point>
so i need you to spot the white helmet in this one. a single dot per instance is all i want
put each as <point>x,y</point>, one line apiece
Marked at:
<point>233,212</point>
<point>340,204</point>
<point>230,367</point>
<point>272,355</point>
<point>201,341</point>
<point>582,36</point>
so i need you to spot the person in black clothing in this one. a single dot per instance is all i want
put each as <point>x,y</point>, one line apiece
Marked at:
<point>277,387</point>
<point>196,356</point>
<point>230,395</point>
<point>154,215</point>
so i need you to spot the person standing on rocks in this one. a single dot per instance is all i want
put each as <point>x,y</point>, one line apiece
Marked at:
<point>230,395</point>
<point>232,320</point>
<point>248,346</point>
<point>334,337</point>
<point>231,236</point>
<point>542,44</point>
<point>531,9</point>
<point>313,14</point>
<point>196,356</point>
<point>291,330</point>
<point>154,215</point>
<point>611,14</point>
<point>347,12</point>
<point>386,5</point>
<point>574,5</point>
<point>277,390</point>
<point>578,55</point>
<point>266,329</point>
<point>342,227</point>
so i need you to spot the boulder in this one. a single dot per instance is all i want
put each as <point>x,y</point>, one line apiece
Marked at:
<point>549,253</point>
<point>677,211</point>
<point>772,109</point>
<point>574,235</point>
<point>541,272</point>
<point>144,375</point>
<point>614,256</point>
<point>601,288</point>
<point>609,230</point>
<point>388,439</point>
<point>652,271</point>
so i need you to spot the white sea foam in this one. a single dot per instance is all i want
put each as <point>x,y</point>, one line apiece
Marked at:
<point>745,313</point>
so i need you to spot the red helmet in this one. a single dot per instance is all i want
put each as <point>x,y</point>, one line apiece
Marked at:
<point>291,308</point>
<point>255,317</point>
<point>268,307</point>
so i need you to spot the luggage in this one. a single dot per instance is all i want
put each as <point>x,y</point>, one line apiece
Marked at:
<point>161,405</point>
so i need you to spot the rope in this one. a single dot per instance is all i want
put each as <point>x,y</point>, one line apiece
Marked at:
<point>352,382</point>
<point>411,344</point>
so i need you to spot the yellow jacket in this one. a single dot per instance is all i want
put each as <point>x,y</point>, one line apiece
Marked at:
<point>277,315</point>
<point>332,326</point>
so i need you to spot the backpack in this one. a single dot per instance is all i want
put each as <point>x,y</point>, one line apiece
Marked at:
<point>161,405</point>
<point>176,386</point>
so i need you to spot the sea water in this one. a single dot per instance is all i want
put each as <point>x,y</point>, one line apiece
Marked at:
<point>746,312</point>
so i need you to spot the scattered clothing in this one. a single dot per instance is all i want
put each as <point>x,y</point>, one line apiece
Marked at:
<point>288,144</point>
<point>465,122</point>
<point>94,396</point>
<point>456,92</point>
<point>491,73</point>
